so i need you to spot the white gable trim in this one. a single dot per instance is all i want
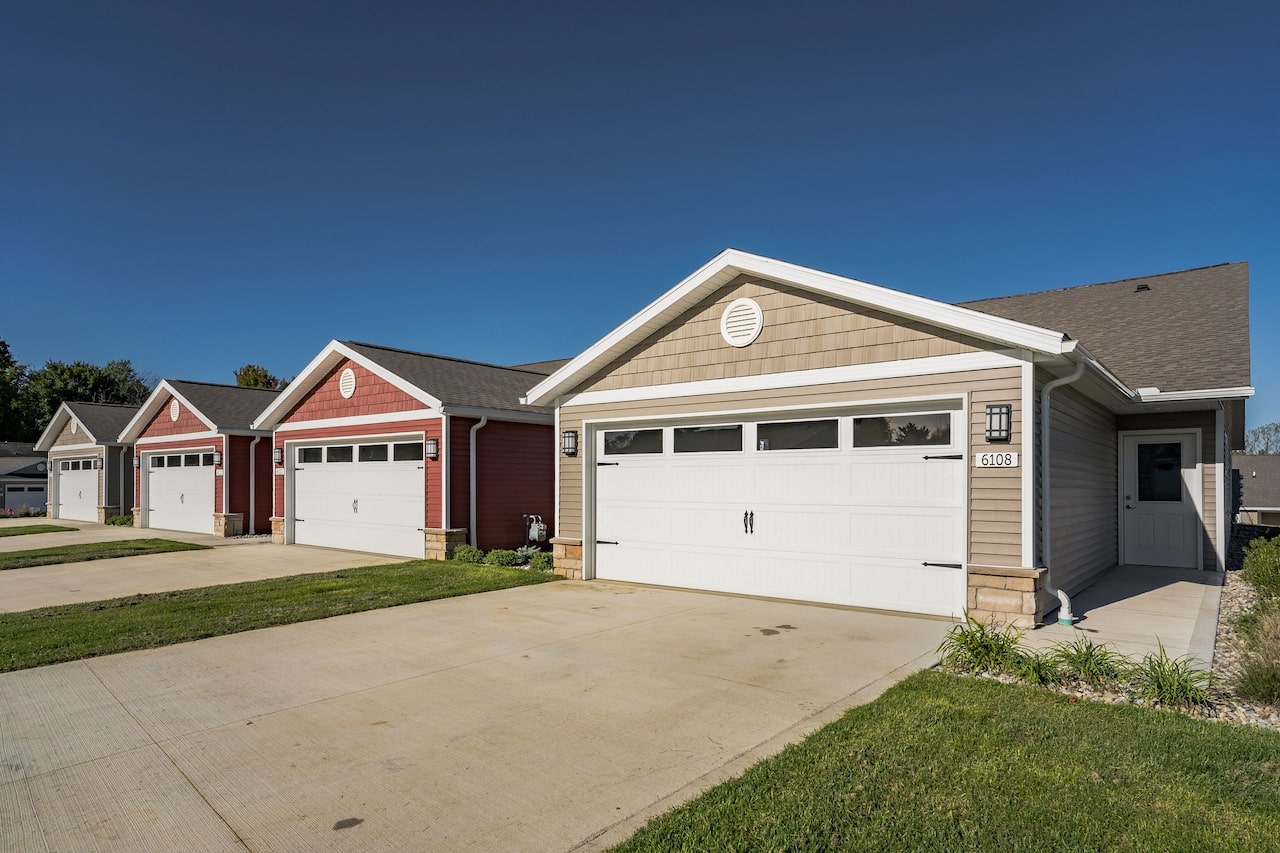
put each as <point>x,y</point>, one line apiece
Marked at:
<point>311,375</point>
<point>802,378</point>
<point>732,262</point>
<point>149,440</point>
<point>359,420</point>
<point>138,425</point>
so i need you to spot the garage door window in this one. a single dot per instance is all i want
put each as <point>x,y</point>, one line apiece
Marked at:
<point>206,458</point>
<point>64,466</point>
<point>157,461</point>
<point>902,430</point>
<point>191,460</point>
<point>373,453</point>
<point>344,453</point>
<point>310,454</point>
<point>798,435</point>
<point>174,462</point>
<point>625,441</point>
<point>407,452</point>
<point>708,439</point>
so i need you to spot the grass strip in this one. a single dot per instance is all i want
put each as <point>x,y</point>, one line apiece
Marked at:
<point>92,551</point>
<point>73,631</point>
<point>947,763</point>
<point>24,529</point>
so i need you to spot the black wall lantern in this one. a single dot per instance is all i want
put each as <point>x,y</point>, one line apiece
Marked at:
<point>432,448</point>
<point>569,442</point>
<point>277,455</point>
<point>999,421</point>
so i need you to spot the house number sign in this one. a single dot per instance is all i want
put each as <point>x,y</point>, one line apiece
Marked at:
<point>996,460</point>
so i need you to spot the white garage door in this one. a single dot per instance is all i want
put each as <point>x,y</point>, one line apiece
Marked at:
<point>360,495</point>
<point>18,498</point>
<point>864,510</point>
<point>77,490</point>
<point>180,491</point>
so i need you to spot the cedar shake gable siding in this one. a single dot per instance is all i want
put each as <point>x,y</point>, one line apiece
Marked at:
<point>162,424</point>
<point>373,396</point>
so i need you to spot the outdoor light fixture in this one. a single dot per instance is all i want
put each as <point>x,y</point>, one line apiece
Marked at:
<point>999,421</point>
<point>137,463</point>
<point>432,447</point>
<point>569,442</point>
<point>277,455</point>
<point>217,457</point>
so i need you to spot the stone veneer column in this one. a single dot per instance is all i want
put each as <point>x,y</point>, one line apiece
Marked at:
<point>440,542</point>
<point>277,530</point>
<point>227,524</point>
<point>137,516</point>
<point>567,557</point>
<point>1014,597</point>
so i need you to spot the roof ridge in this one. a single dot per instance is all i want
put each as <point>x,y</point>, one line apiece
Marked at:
<point>1102,283</point>
<point>90,403</point>
<point>220,385</point>
<point>444,357</point>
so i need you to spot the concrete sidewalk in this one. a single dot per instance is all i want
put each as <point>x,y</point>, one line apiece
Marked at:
<point>553,717</point>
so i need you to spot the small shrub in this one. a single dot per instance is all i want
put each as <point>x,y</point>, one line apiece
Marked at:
<point>1259,677</point>
<point>1262,566</point>
<point>1172,682</point>
<point>502,557</point>
<point>1038,669</point>
<point>121,520</point>
<point>978,647</point>
<point>468,554</point>
<point>527,553</point>
<point>1090,662</point>
<point>542,562</point>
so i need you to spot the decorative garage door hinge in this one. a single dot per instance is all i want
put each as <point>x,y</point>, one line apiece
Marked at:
<point>944,565</point>
<point>605,542</point>
<point>948,456</point>
<point>603,464</point>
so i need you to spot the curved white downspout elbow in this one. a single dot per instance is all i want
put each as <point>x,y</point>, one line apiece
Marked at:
<point>253,483</point>
<point>484,419</point>
<point>1065,616</point>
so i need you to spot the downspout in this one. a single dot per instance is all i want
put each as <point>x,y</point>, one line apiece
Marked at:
<point>1065,616</point>
<point>484,419</point>
<point>253,483</point>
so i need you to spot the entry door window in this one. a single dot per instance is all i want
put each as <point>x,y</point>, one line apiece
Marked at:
<point>1160,472</point>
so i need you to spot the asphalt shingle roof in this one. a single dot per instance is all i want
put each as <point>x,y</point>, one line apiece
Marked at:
<point>1260,478</point>
<point>228,406</point>
<point>1178,331</point>
<point>104,421</point>
<point>546,368</point>
<point>455,381</point>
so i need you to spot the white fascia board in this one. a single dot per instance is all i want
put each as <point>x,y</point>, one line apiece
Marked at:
<point>311,375</point>
<point>359,420</point>
<point>1157,396</point>
<point>169,439</point>
<point>732,262</point>
<point>1259,508</point>
<point>72,449</point>
<point>498,414</point>
<point>802,378</point>
<point>56,424</point>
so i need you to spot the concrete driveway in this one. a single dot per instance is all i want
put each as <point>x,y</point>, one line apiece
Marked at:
<point>556,717</point>
<point>230,561</point>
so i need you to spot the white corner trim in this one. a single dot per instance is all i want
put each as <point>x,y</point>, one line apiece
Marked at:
<point>800,378</point>
<point>1224,501</point>
<point>360,420</point>
<point>732,262</point>
<point>1030,429</point>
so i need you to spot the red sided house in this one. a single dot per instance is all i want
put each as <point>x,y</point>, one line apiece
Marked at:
<point>397,452</point>
<point>199,466</point>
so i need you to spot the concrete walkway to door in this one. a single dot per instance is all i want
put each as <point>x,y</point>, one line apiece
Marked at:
<point>553,717</point>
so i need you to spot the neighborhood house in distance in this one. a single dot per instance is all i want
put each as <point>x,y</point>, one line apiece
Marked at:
<point>1259,489</point>
<point>768,429</point>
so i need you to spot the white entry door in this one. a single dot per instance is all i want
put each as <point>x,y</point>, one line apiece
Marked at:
<point>865,511</point>
<point>77,490</point>
<point>180,491</point>
<point>365,496</point>
<point>1161,497</point>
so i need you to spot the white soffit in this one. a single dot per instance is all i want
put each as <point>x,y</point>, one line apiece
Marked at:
<point>731,263</point>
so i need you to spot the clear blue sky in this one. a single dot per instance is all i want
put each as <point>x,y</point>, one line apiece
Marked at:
<point>196,186</point>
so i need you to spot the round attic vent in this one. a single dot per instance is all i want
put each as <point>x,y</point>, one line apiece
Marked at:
<point>174,410</point>
<point>741,322</point>
<point>75,427</point>
<point>347,383</point>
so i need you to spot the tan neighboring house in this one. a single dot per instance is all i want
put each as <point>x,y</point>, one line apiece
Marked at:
<point>767,429</point>
<point>1259,489</point>
<point>90,469</point>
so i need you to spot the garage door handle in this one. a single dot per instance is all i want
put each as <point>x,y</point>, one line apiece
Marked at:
<point>944,565</point>
<point>355,505</point>
<point>949,456</point>
<point>182,499</point>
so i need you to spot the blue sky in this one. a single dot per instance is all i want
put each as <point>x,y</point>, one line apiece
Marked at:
<point>196,186</point>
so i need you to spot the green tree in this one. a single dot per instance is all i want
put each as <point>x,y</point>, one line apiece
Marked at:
<point>80,382</point>
<point>257,376</point>
<point>1263,440</point>
<point>15,423</point>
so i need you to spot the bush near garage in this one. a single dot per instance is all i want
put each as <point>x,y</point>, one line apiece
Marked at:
<point>468,554</point>
<point>542,562</point>
<point>1262,566</point>
<point>121,520</point>
<point>502,557</point>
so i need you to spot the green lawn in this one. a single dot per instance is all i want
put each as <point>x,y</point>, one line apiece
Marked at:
<point>73,631</point>
<point>92,551</point>
<point>946,763</point>
<point>24,529</point>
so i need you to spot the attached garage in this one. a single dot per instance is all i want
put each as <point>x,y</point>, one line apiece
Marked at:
<point>89,466</point>
<point>180,490</point>
<point>840,508</point>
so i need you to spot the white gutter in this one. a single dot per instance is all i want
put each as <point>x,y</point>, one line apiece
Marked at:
<point>474,429</point>
<point>253,483</point>
<point>1065,616</point>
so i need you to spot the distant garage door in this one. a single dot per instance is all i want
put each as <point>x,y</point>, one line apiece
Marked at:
<point>77,490</point>
<point>360,495</point>
<point>180,491</point>
<point>865,510</point>
<point>19,498</point>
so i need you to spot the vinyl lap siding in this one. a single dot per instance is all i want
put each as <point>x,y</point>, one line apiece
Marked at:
<point>516,471</point>
<point>1083,459</point>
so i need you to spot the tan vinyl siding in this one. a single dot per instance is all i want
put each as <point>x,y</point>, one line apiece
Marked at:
<point>1206,423</point>
<point>995,497</point>
<point>1083,460</point>
<point>68,437</point>
<point>802,331</point>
